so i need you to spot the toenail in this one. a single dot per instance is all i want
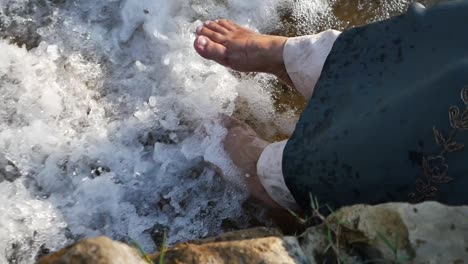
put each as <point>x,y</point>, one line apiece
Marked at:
<point>201,41</point>
<point>207,23</point>
<point>199,29</point>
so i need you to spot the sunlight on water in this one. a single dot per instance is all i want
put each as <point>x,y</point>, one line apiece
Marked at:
<point>109,120</point>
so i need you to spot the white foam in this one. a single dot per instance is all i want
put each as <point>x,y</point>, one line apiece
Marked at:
<point>26,223</point>
<point>82,112</point>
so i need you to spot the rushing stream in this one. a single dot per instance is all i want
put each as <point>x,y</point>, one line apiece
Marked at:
<point>109,119</point>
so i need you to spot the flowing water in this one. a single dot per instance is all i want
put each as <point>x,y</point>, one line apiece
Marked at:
<point>109,119</point>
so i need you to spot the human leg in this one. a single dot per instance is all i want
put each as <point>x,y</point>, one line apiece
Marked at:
<point>244,50</point>
<point>245,147</point>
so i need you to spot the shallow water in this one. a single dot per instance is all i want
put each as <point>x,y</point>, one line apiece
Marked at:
<point>109,120</point>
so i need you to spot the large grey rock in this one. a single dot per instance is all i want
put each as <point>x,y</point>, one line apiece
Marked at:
<point>427,233</point>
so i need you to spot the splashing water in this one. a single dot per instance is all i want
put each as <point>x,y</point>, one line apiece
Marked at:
<point>109,119</point>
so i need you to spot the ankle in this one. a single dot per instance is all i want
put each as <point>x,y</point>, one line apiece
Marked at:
<point>276,48</point>
<point>283,76</point>
<point>277,67</point>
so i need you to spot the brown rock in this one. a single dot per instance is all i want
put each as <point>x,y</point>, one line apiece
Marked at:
<point>100,250</point>
<point>260,250</point>
<point>259,232</point>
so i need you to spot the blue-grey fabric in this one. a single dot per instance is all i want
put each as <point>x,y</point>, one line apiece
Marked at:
<point>368,134</point>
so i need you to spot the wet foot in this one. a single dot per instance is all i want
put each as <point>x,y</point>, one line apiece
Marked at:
<point>244,146</point>
<point>241,49</point>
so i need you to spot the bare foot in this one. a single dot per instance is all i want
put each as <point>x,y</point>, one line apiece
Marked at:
<point>241,49</point>
<point>245,147</point>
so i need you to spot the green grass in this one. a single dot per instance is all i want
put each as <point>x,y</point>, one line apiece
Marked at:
<point>393,248</point>
<point>142,252</point>
<point>163,250</point>
<point>146,257</point>
<point>334,233</point>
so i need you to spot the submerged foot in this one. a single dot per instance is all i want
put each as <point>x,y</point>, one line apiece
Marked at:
<point>244,147</point>
<point>241,49</point>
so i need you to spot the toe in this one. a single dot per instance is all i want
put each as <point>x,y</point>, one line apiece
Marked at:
<point>212,35</point>
<point>216,27</point>
<point>210,50</point>
<point>229,25</point>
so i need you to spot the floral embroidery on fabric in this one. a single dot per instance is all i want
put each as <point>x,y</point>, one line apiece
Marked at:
<point>435,169</point>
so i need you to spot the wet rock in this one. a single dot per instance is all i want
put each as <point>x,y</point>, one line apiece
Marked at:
<point>229,225</point>
<point>28,17</point>
<point>22,35</point>
<point>43,251</point>
<point>8,170</point>
<point>158,233</point>
<point>259,232</point>
<point>163,202</point>
<point>99,250</point>
<point>98,170</point>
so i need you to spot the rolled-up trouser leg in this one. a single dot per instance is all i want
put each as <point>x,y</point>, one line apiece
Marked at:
<point>304,58</point>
